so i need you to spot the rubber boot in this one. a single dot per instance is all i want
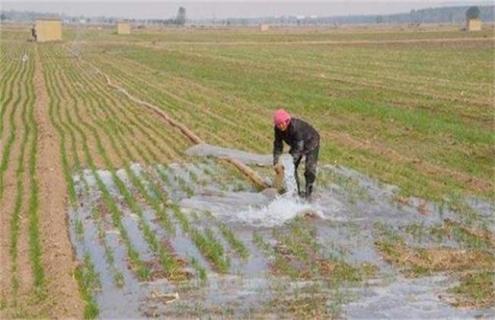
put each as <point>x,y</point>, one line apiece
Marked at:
<point>309,190</point>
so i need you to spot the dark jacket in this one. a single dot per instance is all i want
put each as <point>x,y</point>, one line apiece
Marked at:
<point>299,135</point>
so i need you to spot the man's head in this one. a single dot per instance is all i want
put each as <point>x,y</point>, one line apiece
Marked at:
<point>281,119</point>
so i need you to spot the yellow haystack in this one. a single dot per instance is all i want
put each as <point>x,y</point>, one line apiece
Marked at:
<point>123,28</point>
<point>473,24</point>
<point>264,27</point>
<point>48,30</point>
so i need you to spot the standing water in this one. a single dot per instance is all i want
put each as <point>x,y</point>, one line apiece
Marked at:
<point>268,278</point>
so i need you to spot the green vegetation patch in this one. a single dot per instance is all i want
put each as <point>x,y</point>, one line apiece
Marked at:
<point>89,283</point>
<point>476,290</point>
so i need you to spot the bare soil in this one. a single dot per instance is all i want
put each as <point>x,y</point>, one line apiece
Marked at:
<point>58,256</point>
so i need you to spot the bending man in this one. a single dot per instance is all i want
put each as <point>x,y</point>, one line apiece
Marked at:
<point>303,140</point>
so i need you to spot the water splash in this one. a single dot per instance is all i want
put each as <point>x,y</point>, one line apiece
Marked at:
<point>256,209</point>
<point>277,212</point>
<point>289,175</point>
<point>284,207</point>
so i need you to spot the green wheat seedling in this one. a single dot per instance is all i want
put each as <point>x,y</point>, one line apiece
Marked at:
<point>150,197</point>
<point>167,261</point>
<point>35,250</point>
<point>91,309</point>
<point>10,77</point>
<point>60,127</point>
<point>182,218</point>
<point>89,283</point>
<point>200,270</point>
<point>54,90</point>
<point>118,277</point>
<point>397,103</point>
<point>79,229</point>
<point>261,244</point>
<point>233,241</point>
<point>25,103</point>
<point>6,150</point>
<point>209,246</point>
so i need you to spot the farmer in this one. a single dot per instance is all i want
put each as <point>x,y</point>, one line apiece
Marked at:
<point>33,33</point>
<point>303,140</point>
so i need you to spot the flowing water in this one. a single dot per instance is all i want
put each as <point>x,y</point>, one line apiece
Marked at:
<point>344,213</point>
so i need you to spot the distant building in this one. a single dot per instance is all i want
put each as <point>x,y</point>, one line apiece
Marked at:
<point>473,24</point>
<point>264,27</point>
<point>123,28</point>
<point>48,30</point>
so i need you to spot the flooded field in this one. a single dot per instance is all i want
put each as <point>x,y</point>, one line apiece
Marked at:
<point>211,245</point>
<point>118,197</point>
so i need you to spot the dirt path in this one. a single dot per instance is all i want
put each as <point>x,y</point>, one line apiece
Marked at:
<point>58,257</point>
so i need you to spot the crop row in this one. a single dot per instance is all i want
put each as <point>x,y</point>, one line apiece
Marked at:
<point>93,121</point>
<point>19,185</point>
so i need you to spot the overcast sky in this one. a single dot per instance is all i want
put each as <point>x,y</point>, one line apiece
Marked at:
<point>199,9</point>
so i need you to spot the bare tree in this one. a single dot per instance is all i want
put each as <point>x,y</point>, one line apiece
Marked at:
<point>181,16</point>
<point>473,13</point>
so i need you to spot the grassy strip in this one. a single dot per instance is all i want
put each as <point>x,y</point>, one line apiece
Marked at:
<point>211,248</point>
<point>88,280</point>
<point>20,171</point>
<point>35,249</point>
<point>172,96</point>
<point>298,255</point>
<point>186,95</point>
<point>386,117</point>
<point>153,196</point>
<point>60,126</point>
<point>233,241</point>
<point>467,238</point>
<point>206,243</point>
<point>136,263</point>
<point>85,278</point>
<point>420,261</point>
<point>183,185</point>
<point>130,112</point>
<point>118,277</point>
<point>167,261</point>
<point>113,127</point>
<point>7,148</point>
<point>200,270</point>
<point>476,290</point>
<point>279,263</point>
<point>208,123</point>
<point>7,92</point>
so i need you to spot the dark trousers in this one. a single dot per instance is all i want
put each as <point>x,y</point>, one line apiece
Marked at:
<point>310,168</point>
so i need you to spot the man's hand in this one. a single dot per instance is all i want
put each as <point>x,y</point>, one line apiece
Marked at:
<point>279,168</point>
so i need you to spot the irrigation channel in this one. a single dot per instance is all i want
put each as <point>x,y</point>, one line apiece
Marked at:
<point>211,245</point>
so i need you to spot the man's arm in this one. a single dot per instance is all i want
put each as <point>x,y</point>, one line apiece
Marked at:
<point>278,146</point>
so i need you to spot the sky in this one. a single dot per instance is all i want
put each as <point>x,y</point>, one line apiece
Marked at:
<point>201,9</point>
